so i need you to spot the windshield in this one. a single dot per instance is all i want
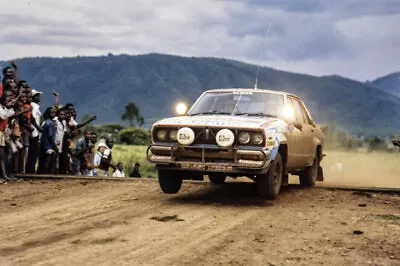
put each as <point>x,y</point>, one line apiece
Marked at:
<point>239,103</point>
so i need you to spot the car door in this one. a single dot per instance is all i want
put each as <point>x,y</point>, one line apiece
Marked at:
<point>306,146</point>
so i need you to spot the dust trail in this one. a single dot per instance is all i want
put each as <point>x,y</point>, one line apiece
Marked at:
<point>361,169</point>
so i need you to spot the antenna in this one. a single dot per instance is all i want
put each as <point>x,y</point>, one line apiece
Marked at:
<point>261,52</point>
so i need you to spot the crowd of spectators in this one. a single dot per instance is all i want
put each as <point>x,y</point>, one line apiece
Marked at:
<point>32,142</point>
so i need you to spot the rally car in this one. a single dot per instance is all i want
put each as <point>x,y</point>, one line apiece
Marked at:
<point>261,134</point>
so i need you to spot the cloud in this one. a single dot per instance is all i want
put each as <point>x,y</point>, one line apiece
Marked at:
<point>343,37</point>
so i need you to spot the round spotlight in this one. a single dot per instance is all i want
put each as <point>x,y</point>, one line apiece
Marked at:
<point>181,108</point>
<point>257,138</point>
<point>161,134</point>
<point>225,138</point>
<point>244,137</point>
<point>185,136</point>
<point>172,134</point>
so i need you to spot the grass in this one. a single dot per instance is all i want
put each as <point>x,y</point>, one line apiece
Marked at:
<point>128,155</point>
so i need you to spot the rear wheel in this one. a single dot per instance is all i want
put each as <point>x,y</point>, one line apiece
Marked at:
<point>217,178</point>
<point>269,184</point>
<point>170,181</point>
<point>308,177</point>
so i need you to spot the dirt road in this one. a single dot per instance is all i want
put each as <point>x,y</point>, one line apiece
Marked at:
<point>133,223</point>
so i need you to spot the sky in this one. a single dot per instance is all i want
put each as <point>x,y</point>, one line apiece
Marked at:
<point>359,39</point>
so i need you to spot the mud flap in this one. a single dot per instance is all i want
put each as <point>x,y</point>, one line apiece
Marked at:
<point>320,174</point>
<point>285,178</point>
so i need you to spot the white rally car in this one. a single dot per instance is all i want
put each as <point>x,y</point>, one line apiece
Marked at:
<point>261,134</point>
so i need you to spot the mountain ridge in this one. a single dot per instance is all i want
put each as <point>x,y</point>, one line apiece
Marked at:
<point>103,85</point>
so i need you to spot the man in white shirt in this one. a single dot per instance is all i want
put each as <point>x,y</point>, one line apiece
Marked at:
<point>97,160</point>
<point>35,136</point>
<point>60,132</point>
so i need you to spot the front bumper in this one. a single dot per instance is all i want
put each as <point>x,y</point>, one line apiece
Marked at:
<point>209,158</point>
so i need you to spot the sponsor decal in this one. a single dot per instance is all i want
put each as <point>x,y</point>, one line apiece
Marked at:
<point>225,138</point>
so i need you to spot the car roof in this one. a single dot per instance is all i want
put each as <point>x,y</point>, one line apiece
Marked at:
<point>252,90</point>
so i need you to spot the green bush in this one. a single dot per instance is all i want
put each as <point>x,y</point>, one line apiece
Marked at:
<point>134,136</point>
<point>108,130</point>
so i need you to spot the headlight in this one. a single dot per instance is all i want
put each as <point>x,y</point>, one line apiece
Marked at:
<point>185,136</point>
<point>172,134</point>
<point>225,138</point>
<point>161,134</point>
<point>257,138</point>
<point>244,138</point>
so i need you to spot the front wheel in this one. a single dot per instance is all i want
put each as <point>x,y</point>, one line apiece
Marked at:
<point>269,184</point>
<point>170,181</point>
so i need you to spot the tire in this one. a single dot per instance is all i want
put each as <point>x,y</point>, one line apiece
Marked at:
<point>218,178</point>
<point>170,181</point>
<point>308,177</point>
<point>270,184</point>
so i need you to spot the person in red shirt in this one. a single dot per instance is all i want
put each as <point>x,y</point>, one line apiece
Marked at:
<point>6,113</point>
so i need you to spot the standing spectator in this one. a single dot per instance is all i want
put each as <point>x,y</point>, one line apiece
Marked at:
<point>8,76</point>
<point>60,126</point>
<point>6,113</point>
<point>26,127</point>
<point>48,146</point>
<point>88,157</point>
<point>135,171</point>
<point>34,140</point>
<point>78,160</point>
<point>106,159</point>
<point>97,160</point>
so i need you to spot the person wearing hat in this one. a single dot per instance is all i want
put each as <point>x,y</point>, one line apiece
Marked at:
<point>97,160</point>
<point>35,136</point>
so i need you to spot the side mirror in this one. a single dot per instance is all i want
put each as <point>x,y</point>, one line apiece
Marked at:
<point>298,125</point>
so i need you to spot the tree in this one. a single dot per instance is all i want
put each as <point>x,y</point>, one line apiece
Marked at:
<point>132,114</point>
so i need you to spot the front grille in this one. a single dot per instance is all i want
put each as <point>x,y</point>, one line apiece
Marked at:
<point>206,136</point>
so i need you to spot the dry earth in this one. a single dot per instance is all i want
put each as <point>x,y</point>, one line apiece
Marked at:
<point>133,223</point>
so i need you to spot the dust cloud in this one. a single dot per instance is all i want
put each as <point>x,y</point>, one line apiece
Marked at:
<point>361,169</point>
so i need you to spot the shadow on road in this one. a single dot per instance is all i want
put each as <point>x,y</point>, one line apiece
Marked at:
<point>235,193</point>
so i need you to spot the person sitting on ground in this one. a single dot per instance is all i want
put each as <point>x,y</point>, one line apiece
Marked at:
<point>106,159</point>
<point>119,172</point>
<point>135,171</point>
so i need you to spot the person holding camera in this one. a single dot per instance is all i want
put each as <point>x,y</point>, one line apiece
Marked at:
<point>79,162</point>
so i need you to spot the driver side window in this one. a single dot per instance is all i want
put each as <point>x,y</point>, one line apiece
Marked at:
<point>298,111</point>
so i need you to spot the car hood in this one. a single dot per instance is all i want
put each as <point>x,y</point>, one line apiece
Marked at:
<point>219,121</point>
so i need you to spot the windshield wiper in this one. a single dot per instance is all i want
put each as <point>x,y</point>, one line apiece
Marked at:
<point>211,113</point>
<point>258,114</point>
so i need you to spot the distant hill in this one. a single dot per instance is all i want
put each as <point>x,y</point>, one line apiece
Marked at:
<point>103,85</point>
<point>389,83</point>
